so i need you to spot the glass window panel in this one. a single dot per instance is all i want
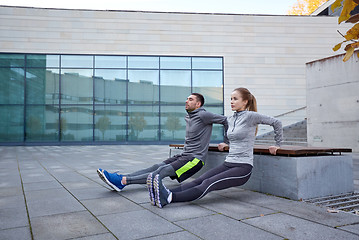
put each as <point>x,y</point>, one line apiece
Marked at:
<point>143,123</point>
<point>12,85</point>
<point>42,123</point>
<point>207,63</point>
<point>12,60</point>
<point>76,123</point>
<point>143,86</point>
<point>175,62</point>
<point>175,86</point>
<point>110,62</point>
<point>143,62</point>
<point>76,61</point>
<point>110,86</point>
<point>42,86</point>
<point>11,123</point>
<point>110,123</point>
<point>209,84</point>
<point>173,125</point>
<point>43,61</point>
<point>76,86</point>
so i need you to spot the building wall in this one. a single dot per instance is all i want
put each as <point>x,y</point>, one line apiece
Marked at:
<point>266,54</point>
<point>333,102</point>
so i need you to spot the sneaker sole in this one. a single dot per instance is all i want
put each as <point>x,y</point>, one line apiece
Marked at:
<point>103,178</point>
<point>156,187</point>
<point>150,189</point>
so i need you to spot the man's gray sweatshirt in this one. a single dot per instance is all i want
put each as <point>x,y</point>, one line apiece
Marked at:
<point>198,132</point>
<point>241,134</point>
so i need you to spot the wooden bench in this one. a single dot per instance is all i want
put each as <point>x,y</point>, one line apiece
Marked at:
<point>296,172</point>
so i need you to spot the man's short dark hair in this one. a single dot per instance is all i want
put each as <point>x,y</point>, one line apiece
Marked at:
<point>199,97</point>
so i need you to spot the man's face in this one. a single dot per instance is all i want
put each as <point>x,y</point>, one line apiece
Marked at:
<point>192,103</point>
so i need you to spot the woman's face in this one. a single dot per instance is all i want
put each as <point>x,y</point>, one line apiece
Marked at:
<point>237,103</point>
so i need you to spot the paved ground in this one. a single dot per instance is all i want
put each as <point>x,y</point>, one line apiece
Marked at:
<point>53,192</point>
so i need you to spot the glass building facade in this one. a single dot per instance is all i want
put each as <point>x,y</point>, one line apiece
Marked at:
<point>46,98</point>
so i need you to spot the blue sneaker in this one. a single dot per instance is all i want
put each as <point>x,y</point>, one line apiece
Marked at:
<point>150,189</point>
<point>111,179</point>
<point>163,196</point>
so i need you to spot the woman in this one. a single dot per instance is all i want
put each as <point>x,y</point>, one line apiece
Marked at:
<point>237,168</point>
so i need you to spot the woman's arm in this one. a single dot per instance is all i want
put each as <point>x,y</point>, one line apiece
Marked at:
<point>258,118</point>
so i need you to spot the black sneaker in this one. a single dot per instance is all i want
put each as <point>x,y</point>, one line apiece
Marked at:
<point>163,196</point>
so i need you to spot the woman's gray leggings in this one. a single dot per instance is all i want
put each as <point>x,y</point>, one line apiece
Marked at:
<point>224,176</point>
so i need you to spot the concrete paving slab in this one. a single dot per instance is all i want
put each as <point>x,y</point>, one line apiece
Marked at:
<point>105,236</point>
<point>35,186</point>
<point>66,226</point>
<point>354,228</point>
<point>22,233</point>
<point>175,236</point>
<point>93,192</point>
<point>295,228</point>
<point>10,179</point>
<point>315,213</point>
<point>110,205</point>
<point>13,218</point>
<point>38,175</point>
<point>233,208</point>
<point>83,183</point>
<point>10,191</point>
<point>179,211</point>
<point>45,206</point>
<point>46,194</point>
<point>138,224</point>
<point>12,202</point>
<point>137,193</point>
<point>220,227</point>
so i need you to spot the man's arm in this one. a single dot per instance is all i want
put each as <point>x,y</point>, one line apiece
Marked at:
<point>210,118</point>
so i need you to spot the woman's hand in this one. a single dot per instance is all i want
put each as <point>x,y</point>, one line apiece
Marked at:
<point>273,150</point>
<point>222,146</point>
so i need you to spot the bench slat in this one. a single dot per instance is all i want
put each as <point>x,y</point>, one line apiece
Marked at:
<point>290,150</point>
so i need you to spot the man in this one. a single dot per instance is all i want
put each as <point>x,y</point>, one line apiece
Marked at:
<point>182,166</point>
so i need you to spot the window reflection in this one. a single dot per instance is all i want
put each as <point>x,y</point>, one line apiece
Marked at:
<point>42,86</point>
<point>12,60</point>
<point>175,62</point>
<point>173,125</point>
<point>143,62</point>
<point>103,98</point>
<point>43,61</point>
<point>143,86</point>
<point>110,86</point>
<point>110,123</point>
<point>76,86</point>
<point>209,83</point>
<point>12,85</point>
<point>110,62</point>
<point>207,63</point>
<point>11,123</point>
<point>175,86</point>
<point>76,61</point>
<point>76,123</point>
<point>143,123</point>
<point>42,123</point>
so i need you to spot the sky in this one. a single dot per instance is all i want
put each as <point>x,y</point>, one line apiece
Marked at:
<point>276,7</point>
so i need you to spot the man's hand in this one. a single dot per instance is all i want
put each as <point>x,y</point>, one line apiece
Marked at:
<point>222,146</point>
<point>273,150</point>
